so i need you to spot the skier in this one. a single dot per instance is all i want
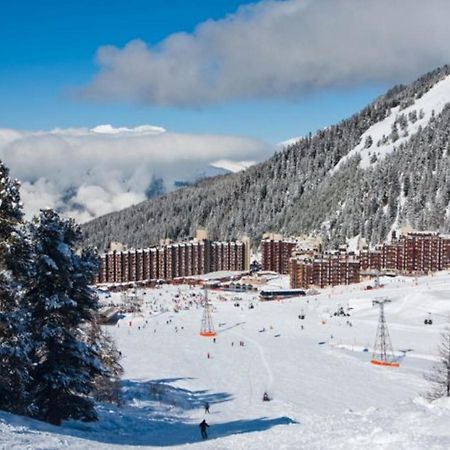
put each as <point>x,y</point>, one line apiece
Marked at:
<point>206,408</point>
<point>265,397</point>
<point>203,425</point>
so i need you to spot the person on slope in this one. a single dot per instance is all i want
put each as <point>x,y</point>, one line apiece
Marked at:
<point>203,425</point>
<point>206,408</point>
<point>265,397</point>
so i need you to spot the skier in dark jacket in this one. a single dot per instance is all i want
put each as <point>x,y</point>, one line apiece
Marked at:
<point>206,407</point>
<point>203,427</point>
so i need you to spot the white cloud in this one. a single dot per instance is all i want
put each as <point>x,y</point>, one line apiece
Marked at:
<point>279,49</point>
<point>143,130</point>
<point>232,166</point>
<point>90,172</point>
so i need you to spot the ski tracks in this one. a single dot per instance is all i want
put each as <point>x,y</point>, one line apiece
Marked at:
<point>262,356</point>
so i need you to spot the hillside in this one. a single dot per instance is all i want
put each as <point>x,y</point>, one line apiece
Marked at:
<point>386,166</point>
<point>325,393</point>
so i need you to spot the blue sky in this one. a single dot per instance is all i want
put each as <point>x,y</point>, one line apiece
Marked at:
<point>224,80</point>
<point>47,49</point>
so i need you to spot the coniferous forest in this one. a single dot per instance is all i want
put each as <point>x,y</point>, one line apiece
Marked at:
<point>296,191</point>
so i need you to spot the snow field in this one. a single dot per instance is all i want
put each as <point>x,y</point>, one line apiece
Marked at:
<point>325,392</point>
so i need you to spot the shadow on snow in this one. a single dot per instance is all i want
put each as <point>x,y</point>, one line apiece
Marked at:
<point>153,415</point>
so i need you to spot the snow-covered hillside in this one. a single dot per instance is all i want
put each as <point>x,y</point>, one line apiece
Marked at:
<point>325,393</point>
<point>400,124</point>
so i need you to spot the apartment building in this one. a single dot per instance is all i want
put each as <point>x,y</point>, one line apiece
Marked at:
<point>173,260</point>
<point>323,270</point>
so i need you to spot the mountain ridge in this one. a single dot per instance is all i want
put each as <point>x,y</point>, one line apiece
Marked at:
<point>298,189</point>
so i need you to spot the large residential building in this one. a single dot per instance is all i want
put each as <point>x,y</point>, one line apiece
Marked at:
<point>323,270</point>
<point>276,250</point>
<point>412,253</point>
<point>275,253</point>
<point>173,260</point>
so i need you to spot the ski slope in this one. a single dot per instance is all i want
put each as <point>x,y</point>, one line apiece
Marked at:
<point>432,102</point>
<point>325,393</point>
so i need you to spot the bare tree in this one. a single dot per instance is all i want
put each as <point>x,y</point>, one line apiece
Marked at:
<point>107,384</point>
<point>439,377</point>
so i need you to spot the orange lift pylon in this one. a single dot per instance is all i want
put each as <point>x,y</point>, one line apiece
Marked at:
<point>383,354</point>
<point>207,328</point>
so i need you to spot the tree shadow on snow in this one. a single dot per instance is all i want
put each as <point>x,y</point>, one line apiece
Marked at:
<point>167,396</point>
<point>153,415</point>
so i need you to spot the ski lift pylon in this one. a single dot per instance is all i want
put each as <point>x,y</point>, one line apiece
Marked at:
<point>207,327</point>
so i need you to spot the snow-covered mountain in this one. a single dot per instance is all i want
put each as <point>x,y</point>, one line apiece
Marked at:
<point>400,124</point>
<point>386,167</point>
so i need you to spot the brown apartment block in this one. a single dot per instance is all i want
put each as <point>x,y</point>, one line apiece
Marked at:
<point>170,261</point>
<point>416,252</point>
<point>323,270</point>
<point>275,255</point>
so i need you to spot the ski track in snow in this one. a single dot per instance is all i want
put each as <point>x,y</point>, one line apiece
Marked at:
<point>262,355</point>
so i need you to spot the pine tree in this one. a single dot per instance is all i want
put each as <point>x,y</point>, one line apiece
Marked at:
<point>15,268</point>
<point>62,306</point>
<point>439,377</point>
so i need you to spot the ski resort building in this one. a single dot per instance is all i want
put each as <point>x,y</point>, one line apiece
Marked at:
<point>173,260</point>
<point>276,251</point>
<point>323,270</point>
<point>275,254</point>
<point>414,252</point>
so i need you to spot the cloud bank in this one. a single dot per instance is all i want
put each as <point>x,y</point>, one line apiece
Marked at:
<point>85,173</point>
<point>279,49</point>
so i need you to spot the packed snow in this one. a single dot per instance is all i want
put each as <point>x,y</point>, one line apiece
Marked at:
<point>324,392</point>
<point>431,102</point>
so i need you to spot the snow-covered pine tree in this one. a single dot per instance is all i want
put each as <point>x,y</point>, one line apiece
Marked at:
<point>439,377</point>
<point>65,366</point>
<point>10,218</point>
<point>15,268</point>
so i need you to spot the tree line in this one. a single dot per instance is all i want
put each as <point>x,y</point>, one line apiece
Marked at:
<point>55,359</point>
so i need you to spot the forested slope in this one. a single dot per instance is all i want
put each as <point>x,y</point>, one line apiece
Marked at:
<point>297,190</point>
